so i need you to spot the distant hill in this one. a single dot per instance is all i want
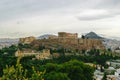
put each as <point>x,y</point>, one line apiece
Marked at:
<point>45,36</point>
<point>108,42</point>
<point>93,35</point>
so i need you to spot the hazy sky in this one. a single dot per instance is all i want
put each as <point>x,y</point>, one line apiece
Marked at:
<point>20,18</point>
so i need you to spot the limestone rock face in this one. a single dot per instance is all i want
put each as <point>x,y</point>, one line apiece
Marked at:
<point>27,40</point>
<point>52,37</point>
<point>69,41</point>
<point>71,44</point>
<point>64,40</point>
<point>90,43</point>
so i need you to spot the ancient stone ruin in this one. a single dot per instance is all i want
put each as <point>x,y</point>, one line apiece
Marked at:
<point>68,41</point>
<point>27,40</point>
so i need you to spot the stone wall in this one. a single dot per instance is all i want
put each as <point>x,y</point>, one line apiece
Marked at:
<point>52,37</point>
<point>71,43</point>
<point>27,40</point>
<point>24,53</point>
<point>64,40</point>
<point>45,54</point>
<point>67,35</point>
<point>90,43</point>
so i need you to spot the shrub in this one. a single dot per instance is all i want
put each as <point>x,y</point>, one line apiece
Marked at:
<point>18,73</point>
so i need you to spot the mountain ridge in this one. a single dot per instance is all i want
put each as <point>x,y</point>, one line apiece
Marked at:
<point>93,35</point>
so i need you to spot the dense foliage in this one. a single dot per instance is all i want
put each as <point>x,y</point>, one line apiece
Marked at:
<point>61,68</point>
<point>17,72</point>
<point>9,51</point>
<point>71,70</point>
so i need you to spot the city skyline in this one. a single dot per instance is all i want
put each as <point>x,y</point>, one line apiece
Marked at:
<point>19,18</point>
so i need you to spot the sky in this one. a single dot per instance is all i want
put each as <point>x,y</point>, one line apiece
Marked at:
<point>20,18</point>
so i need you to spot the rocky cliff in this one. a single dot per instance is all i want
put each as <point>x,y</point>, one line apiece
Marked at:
<point>68,41</point>
<point>71,44</point>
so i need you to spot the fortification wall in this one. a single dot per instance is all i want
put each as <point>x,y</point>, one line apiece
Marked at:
<point>45,54</point>
<point>27,40</point>
<point>70,43</point>
<point>67,35</point>
<point>90,43</point>
<point>66,40</point>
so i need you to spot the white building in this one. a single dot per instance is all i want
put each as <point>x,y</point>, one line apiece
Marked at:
<point>98,75</point>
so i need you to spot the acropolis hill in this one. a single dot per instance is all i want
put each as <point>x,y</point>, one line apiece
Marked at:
<point>68,41</point>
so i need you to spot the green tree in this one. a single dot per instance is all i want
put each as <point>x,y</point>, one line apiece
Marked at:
<point>83,37</point>
<point>77,70</point>
<point>56,76</point>
<point>104,77</point>
<point>19,73</point>
<point>41,48</point>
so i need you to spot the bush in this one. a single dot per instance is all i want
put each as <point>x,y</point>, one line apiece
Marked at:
<point>18,73</point>
<point>57,76</point>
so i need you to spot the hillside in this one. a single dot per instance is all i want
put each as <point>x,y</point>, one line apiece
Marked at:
<point>93,35</point>
<point>108,42</point>
<point>69,41</point>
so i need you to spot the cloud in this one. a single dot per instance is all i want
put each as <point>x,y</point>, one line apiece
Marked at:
<point>96,14</point>
<point>110,4</point>
<point>39,16</point>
